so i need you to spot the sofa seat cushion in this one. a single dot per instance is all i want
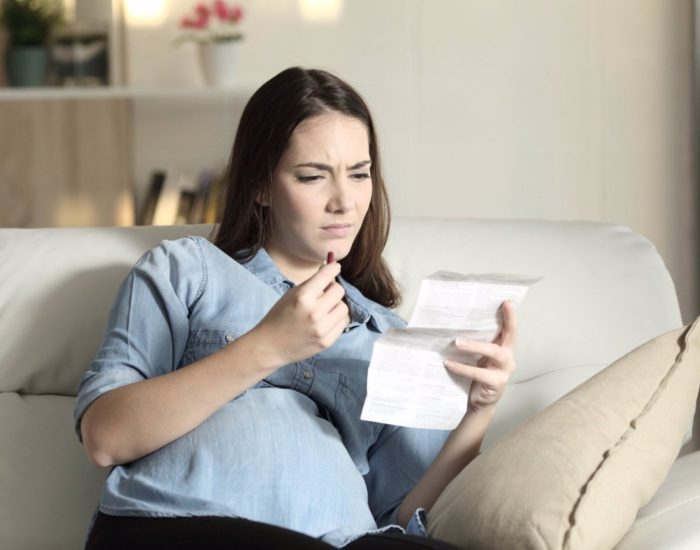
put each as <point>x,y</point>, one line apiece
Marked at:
<point>670,520</point>
<point>48,488</point>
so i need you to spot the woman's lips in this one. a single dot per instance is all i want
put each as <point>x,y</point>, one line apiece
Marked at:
<point>337,229</point>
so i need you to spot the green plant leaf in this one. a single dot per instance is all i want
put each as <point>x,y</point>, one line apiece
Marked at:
<point>30,22</point>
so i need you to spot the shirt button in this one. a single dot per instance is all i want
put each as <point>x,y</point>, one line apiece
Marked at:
<point>307,374</point>
<point>229,337</point>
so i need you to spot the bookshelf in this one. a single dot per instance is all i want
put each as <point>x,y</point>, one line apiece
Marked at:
<point>85,156</point>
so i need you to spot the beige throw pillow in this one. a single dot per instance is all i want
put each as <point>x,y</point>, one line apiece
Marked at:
<point>575,475</point>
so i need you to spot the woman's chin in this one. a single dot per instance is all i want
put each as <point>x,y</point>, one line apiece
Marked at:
<point>339,247</point>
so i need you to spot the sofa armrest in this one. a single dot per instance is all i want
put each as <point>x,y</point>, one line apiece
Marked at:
<point>670,520</point>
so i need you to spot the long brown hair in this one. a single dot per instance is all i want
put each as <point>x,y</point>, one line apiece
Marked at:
<point>266,125</point>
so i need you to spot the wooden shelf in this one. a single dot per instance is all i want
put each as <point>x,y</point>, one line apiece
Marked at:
<point>110,92</point>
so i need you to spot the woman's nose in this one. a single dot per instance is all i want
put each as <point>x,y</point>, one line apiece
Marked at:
<point>340,199</point>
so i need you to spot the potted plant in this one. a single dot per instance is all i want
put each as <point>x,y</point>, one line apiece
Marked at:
<point>28,24</point>
<point>215,29</point>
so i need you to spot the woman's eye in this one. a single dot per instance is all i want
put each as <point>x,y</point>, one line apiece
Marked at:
<point>308,179</point>
<point>360,176</point>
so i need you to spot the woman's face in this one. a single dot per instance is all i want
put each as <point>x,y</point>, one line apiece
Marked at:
<point>320,193</point>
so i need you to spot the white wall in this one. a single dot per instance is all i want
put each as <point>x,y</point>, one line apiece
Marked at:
<point>554,109</point>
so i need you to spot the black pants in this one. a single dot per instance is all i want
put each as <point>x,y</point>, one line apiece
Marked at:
<point>219,533</point>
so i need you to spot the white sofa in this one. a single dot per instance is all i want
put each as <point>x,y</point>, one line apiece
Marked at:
<point>604,291</point>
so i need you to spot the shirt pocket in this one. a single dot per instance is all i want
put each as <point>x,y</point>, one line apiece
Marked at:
<point>283,377</point>
<point>205,341</point>
<point>350,395</point>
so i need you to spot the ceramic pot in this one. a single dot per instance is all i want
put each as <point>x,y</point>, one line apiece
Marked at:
<point>219,61</point>
<point>27,65</point>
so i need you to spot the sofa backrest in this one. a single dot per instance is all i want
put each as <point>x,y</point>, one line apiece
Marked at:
<point>604,291</point>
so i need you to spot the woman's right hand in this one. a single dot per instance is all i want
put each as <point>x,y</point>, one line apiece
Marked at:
<point>306,320</point>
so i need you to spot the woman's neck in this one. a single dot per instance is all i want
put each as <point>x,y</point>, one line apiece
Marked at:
<point>296,271</point>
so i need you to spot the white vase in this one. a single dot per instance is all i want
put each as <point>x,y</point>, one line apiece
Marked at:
<point>219,61</point>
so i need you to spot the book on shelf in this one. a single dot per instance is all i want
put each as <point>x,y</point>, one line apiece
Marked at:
<point>184,207</point>
<point>149,206</point>
<point>176,197</point>
<point>199,203</point>
<point>168,205</point>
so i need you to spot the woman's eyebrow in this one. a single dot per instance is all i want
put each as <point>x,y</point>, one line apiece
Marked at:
<point>328,168</point>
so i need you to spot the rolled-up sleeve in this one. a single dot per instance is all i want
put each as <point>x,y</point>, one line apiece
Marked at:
<point>416,525</point>
<point>147,326</point>
<point>397,461</point>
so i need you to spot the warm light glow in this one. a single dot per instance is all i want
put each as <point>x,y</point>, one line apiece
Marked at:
<point>124,209</point>
<point>320,10</point>
<point>145,13</point>
<point>69,9</point>
<point>82,211</point>
<point>72,211</point>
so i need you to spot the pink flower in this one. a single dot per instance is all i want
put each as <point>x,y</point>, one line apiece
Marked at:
<point>213,20</point>
<point>202,11</point>
<point>221,9</point>
<point>235,14</point>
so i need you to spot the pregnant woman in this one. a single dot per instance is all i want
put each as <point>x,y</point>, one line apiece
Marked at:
<point>226,393</point>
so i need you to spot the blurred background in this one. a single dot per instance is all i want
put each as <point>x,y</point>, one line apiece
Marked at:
<point>576,110</point>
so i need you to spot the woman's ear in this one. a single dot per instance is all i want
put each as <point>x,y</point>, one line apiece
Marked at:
<point>262,198</point>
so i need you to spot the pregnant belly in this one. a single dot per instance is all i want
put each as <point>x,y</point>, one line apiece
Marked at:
<point>266,456</point>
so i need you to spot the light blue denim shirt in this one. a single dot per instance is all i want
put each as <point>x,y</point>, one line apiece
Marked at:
<point>291,450</point>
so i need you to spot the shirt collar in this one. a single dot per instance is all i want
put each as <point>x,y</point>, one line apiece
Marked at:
<point>361,310</point>
<point>262,266</point>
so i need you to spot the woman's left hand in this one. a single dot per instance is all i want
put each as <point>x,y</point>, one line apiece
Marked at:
<point>490,376</point>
